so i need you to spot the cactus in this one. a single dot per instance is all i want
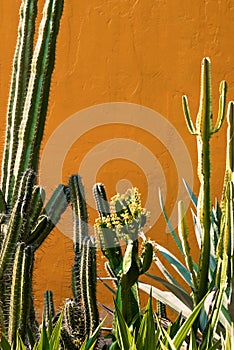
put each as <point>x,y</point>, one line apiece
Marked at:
<point>213,226</point>
<point>81,313</point>
<point>25,221</point>
<point>203,132</point>
<point>124,218</point>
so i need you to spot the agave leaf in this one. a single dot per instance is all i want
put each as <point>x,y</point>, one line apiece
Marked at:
<point>216,345</point>
<point>191,194</point>
<point>180,293</point>
<point>166,273</point>
<point>165,338</point>
<point>192,343</point>
<point>44,341</point>
<point>176,264</point>
<point>93,339</point>
<point>4,344</point>
<point>123,335</point>
<point>102,280</point>
<point>197,229</point>
<point>146,336</point>
<point>55,336</point>
<point>167,298</point>
<point>173,233</point>
<point>19,343</point>
<point>187,326</point>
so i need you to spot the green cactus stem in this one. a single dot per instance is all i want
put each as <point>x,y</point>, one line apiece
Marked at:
<point>81,313</point>
<point>203,131</point>
<point>24,221</point>
<point>20,292</point>
<point>229,171</point>
<point>79,211</point>
<point>19,83</point>
<point>48,312</point>
<point>22,148</point>
<point>88,284</point>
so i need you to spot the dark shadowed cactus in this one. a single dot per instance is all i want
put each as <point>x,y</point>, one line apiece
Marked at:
<point>124,219</point>
<point>25,221</point>
<point>81,313</point>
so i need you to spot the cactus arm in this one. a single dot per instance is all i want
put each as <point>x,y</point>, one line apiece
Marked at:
<point>183,234</point>
<point>36,101</point>
<point>101,200</point>
<point>48,310</point>
<point>20,77</point>
<point>50,216</point>
<point>110,244</point>
<point>14,311</point>
<point>37,201</point>
<point>88,283</point>
<point>204,116</point>
<point>17,219</point>
<point>3,205</point>
<point>27,187</point>
<point>79,211</point>
<point>187,115</point>
<point>146,256</point>
<point>41,226</point>
<point>229,149</point>
<point>34,210</point>
<point>230,138</point>
<point>80,228</point>
<point>14,226</point>
<point>222,106</point>
<point>25,290</point>
<point>59,199</point>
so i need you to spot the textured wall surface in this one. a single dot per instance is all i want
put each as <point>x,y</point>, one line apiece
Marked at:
<point>143,52</point>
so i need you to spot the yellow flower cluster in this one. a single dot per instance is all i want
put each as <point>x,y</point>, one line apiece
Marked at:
<point>125,212</point>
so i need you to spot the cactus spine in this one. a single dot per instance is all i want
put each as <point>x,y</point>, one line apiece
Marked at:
<point>203,132</point>
<point>24,220</point>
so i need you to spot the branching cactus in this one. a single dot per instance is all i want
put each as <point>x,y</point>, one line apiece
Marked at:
<point>123,219</point>
<point>203,132</point>
<point>25,221</point>
<point>81,313</point>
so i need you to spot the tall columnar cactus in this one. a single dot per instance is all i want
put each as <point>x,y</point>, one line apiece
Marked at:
<point>81,313</point>
<point>25,221</point>
<point>203,132</point>
<point>124,218</point>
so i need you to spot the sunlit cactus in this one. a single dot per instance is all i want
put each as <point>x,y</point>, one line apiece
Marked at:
<point>203,132</point>
<point>25,221</point>
<point>81,313</point>
<point>123,219</point>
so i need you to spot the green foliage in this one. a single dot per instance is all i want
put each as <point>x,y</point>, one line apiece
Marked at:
<point>213,228</point>
<point>123,219</point>
<point>152,335</point>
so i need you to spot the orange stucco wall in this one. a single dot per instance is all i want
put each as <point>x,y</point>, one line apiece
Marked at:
<point>144,52</point>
